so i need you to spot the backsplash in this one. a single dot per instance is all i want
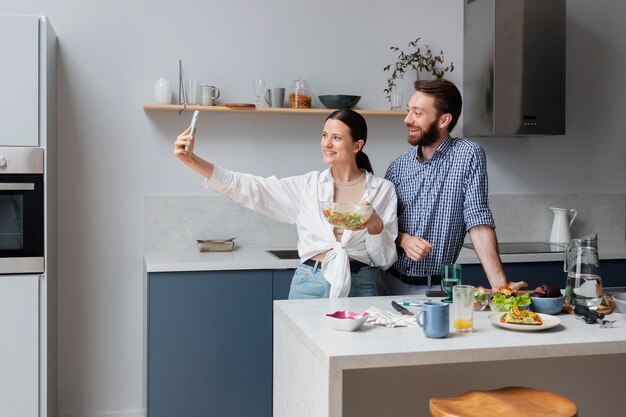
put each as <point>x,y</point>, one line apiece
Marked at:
<point>528,218</point>
<point>176,222</point>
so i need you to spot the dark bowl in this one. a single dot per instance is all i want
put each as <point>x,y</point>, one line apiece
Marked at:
<point>339,101</point>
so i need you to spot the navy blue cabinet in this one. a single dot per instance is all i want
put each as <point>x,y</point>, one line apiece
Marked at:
<point>282,283</point>
<point>537,273</point>
<point>209,344</point>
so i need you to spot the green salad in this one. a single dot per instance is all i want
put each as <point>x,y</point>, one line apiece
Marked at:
<point>506,298</point>
<point>347,219</point>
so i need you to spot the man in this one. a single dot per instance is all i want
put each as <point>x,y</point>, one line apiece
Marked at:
<point>441,185</point>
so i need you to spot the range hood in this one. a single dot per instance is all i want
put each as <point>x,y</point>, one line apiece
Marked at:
<point>514,68</point>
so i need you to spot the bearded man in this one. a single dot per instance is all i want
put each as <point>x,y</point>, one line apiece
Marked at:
<point>442,189</point>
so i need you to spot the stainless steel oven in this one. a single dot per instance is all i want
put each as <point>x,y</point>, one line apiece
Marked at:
<point>21,210</point>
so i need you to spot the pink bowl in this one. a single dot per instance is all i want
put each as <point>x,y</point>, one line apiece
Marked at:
<point>350,315</point>
<point>348,321</point>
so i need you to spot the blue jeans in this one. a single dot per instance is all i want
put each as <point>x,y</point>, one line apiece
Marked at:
<point>309,282</point>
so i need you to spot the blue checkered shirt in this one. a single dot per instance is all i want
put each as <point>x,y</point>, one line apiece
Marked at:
<point>439,200</point>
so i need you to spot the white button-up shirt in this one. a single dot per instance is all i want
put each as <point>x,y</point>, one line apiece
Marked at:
<point>296,200</point>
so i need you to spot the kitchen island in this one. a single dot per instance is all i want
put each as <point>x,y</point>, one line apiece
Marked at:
<point>379,371</point>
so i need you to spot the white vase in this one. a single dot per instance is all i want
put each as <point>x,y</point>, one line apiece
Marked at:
<point>162,92</point>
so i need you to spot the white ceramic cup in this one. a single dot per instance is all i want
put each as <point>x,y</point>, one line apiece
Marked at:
<point>207,94</point>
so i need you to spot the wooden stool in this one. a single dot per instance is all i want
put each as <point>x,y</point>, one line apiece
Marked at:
<point>504,402</point>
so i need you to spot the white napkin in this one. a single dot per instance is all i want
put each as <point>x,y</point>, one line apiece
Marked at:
<point>389,319</point>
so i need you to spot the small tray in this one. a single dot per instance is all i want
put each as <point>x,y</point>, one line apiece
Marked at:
<point>216,245</point>
<point>238,105</point>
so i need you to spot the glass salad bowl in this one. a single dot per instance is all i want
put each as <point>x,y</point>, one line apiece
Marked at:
<point>346,216</point>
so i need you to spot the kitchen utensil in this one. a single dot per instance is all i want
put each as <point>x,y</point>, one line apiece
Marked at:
<point>591,317</point>
<point>339,101</point>
<point>258,85</point>
<point>396,101</point>
<point>434,319</point>
<point>584,282</point>
<point>192,91</point>
<point>207,94</point>
<point>162,92</point>
<point>238,105</point>
<point>401,309</point>
<point>560,232</point>
<point>300,95</point>
<point>216,245</point>
<point>347,216</point>
<point>620,301</point>
<point>547,322</point>
<point>450,276</point>
<point>463,308</point>
<point>481,298</point>
<point>275,97</point>
<point>547,305</point>
<point>346,320</point>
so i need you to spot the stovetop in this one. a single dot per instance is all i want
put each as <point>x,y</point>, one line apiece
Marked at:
<point>525,247</point>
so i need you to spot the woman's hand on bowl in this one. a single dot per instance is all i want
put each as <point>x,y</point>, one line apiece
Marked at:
<point>374,224</point>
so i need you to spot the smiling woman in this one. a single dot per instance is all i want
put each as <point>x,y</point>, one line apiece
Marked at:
<point>336,261</point>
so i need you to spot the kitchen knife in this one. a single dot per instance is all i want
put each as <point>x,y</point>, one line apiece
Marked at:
<point>401,309</point>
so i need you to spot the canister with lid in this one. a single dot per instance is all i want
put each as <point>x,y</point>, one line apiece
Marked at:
<point>300,95</point>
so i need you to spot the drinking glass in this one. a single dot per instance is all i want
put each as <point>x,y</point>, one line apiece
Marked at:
<point>259,89</point>
<point>463,308</point>
<point>396,101</point>
<point>450,276</point>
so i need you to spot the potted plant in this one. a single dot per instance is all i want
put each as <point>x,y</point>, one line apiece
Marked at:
<point>422,59</point>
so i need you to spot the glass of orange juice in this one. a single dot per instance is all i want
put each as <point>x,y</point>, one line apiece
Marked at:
<point>463,308</point>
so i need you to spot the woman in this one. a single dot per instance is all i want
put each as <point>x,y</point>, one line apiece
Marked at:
<point>335,263</point>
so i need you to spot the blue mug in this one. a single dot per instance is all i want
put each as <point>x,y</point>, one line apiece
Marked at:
<point>434,319</point>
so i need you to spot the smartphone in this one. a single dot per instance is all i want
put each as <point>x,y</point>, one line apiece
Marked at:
<point>194,120</point>
<point>435,293</point>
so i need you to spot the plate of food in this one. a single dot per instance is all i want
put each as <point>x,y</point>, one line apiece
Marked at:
<point>524,320</point>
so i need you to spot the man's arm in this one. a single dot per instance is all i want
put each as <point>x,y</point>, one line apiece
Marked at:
<point>486,246</point>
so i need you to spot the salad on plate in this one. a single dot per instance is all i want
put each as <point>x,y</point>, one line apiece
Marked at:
<point>505,298</point>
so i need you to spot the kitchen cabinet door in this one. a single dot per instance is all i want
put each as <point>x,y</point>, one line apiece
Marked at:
<point>209,345</point>
<point>282,283</point>
<point>19,345</point>
<point>19,77</point>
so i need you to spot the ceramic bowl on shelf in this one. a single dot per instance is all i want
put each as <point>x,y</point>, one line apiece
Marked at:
<point>339,101</point>
<point>547,305</point>
<point>347,216</point>
<point>620,301</point>
<point>347,321</point>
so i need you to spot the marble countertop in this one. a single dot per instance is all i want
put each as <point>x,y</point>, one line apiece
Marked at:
<point>258,258</point>
<point>375,346</point>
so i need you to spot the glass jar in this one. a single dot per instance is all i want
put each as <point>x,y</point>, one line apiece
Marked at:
<point>300,95</point>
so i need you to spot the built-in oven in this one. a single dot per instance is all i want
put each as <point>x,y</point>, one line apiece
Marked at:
<point>21,210</point>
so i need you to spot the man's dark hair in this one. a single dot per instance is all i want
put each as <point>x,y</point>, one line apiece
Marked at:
<point>447,97</point>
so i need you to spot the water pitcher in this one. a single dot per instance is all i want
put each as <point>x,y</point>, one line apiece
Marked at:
<point>584,284</point>
<point>560,225</point>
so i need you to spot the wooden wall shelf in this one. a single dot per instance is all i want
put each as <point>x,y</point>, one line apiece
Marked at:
<point>265,110</point>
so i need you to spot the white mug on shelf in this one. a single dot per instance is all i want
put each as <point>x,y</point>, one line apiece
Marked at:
<point>207,94</point>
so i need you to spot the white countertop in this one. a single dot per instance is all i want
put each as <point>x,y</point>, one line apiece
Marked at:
<point>375,346</point>
<point>258,258</point>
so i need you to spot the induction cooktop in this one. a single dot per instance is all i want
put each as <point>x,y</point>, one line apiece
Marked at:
<point>525,247</point>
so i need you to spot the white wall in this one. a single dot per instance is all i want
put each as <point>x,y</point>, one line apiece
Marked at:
<point>112,153</point>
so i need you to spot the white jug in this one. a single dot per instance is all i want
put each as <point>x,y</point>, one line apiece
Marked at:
<point>560,225</point>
